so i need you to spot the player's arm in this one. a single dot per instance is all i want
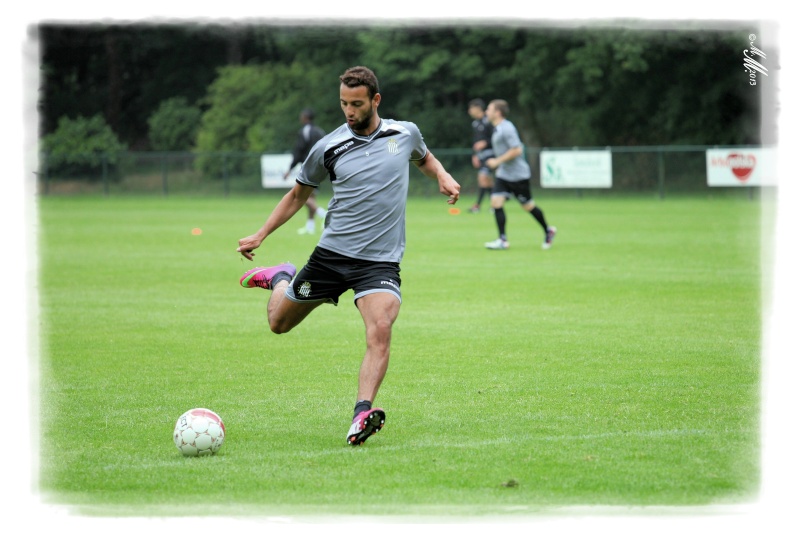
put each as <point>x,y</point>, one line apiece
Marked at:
<point>431,167</point>
<point>476,148</point>
<point>290,204</point>
<point>480,145</point>
<point>511,153</point>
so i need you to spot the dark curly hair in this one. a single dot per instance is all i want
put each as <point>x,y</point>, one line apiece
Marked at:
<point>358,76</point>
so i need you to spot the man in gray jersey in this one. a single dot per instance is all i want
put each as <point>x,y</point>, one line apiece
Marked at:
<point>512,176</point>
<point>363,241</point>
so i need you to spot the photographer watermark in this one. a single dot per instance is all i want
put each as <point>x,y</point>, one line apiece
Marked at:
<point>751,64</point>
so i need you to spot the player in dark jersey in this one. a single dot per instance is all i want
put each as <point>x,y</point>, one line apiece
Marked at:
<point>307,136</point>
<point>481,149</point>
<point>366,160</point>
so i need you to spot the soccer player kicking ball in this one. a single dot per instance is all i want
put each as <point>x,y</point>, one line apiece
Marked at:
<point>363,240</point>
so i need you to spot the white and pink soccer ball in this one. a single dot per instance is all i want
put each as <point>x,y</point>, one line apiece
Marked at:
<point>199,432</point>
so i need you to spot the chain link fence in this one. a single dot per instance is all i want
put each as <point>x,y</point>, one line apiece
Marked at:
<point>660,170</point>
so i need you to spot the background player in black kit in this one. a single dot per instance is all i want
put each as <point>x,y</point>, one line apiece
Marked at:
<point>481,149</point>
<point>307,136</point>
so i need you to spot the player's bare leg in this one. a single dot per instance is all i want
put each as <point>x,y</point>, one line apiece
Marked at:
<point>311,204</point>
<point>379,311</point>
<point>485,183</point>
<point>314,210</point>
<point>284,314</point>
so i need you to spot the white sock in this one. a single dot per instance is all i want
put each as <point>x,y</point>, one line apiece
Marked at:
<point>321,212</point>
<point>310,227</point>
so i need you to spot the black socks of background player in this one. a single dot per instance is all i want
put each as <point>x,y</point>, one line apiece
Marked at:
<point>539,216</point>
<point>361,406</point>
<point>500,219</point>
<point>483,191</point>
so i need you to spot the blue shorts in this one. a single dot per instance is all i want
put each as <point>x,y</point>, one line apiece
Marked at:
<point>327,275</point>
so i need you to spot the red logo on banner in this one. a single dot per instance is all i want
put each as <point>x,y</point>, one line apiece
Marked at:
<point>742,165</point>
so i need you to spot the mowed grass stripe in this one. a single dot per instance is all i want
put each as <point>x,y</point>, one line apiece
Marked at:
<point>620,367</point>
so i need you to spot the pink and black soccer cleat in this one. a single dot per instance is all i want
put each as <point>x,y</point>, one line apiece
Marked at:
<point>262,276</point>
<point>365,425</point>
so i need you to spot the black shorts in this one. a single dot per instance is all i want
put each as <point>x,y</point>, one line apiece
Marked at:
<point>521,190</point>
<point>327,275</point>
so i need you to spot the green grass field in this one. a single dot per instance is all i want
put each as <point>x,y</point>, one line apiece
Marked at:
<point>619,368</point>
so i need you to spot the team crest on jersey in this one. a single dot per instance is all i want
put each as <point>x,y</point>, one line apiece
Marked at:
<point>305,289</point>
<point>391,145</point>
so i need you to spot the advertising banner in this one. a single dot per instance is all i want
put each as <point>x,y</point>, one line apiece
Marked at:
<point>273,167</point>
<point>741,167</point>
<point>577,169</point>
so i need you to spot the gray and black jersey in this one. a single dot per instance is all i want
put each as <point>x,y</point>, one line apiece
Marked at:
<point>504,138</point>
<point>369,176</point>
<point>482,130</point>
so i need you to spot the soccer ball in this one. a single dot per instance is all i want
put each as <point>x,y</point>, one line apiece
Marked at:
<point>199,432</point>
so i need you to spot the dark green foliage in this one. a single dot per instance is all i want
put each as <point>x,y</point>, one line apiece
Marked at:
<point>174,125</point>
<point>620,87</point>
<point>81,147</point>
<point>588,85</point>
<point>255,108</point>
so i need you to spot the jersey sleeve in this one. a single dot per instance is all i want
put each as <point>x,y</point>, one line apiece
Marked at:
<point>312,171</point>
<point>418,148</point>
<point>512,136</point>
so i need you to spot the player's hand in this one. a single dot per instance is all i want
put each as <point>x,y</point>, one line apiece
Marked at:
<point>450,187</point>
<point>492,163</point>
<point>247,245</point>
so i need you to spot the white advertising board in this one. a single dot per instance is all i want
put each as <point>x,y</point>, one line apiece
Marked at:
<point>741,167</point>
<point>273,167</point>
<point>575,168</point>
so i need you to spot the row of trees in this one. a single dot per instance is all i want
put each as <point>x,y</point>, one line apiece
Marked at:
<point>240,87</point>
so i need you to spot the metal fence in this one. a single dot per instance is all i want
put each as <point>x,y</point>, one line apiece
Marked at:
<point>659,170</point>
